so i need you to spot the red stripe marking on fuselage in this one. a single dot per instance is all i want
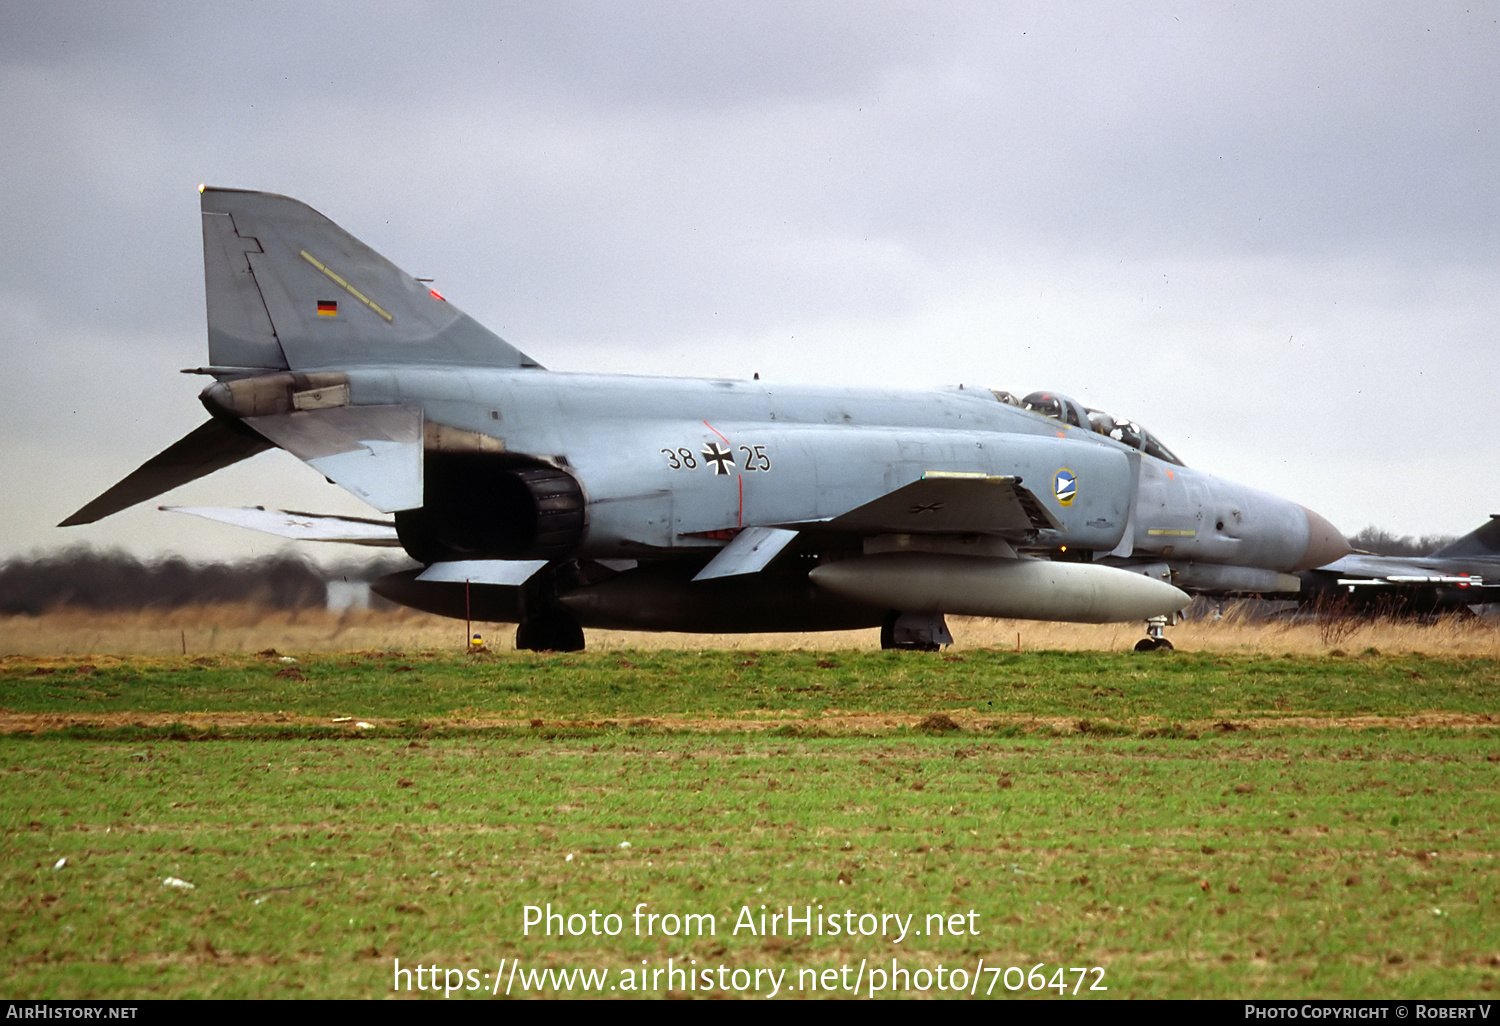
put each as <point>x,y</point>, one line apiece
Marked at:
<point>739,476</point>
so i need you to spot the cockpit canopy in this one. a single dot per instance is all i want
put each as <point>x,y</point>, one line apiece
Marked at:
<point>1137,437</point>
<point>1058,407</point>
<point>1071,411</point>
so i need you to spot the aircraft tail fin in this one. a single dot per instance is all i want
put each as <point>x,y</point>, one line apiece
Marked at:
<point>1485,541</point>
<point>290,290</point>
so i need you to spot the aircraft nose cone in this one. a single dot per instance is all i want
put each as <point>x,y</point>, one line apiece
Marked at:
<point>1324,543</point>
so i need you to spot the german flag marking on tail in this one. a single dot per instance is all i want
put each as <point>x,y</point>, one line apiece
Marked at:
<point>328,308</point>
<point>339,279</point>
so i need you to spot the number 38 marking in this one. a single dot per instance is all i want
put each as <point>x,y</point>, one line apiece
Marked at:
<point>680,458</point>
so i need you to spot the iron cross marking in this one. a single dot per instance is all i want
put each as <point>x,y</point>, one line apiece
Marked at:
<point>927,507</point>
<point>722,459</point>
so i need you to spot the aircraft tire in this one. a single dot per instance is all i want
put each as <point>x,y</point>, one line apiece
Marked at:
<point>1153,645</point>
<point>549,632</point>
<point>888,637</point>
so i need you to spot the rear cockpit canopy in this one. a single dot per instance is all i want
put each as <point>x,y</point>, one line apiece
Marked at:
<point>1071,411</point>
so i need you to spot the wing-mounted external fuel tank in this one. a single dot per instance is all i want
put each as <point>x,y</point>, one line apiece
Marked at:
<point>1026,589</point>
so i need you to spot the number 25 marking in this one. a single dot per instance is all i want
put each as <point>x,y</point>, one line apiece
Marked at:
<point>756,458</point>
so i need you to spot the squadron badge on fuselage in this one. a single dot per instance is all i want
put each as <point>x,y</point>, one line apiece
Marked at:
<point>1065,486</point>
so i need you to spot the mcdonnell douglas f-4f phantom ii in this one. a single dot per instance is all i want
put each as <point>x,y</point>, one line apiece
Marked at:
<point>559,501</point>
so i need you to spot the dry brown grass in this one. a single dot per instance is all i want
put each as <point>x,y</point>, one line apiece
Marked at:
<point>208,629</point>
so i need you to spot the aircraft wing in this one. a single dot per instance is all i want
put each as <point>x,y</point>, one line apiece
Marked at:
<point>300,526</point>
<point>945,503</point>
<point>938,503</point>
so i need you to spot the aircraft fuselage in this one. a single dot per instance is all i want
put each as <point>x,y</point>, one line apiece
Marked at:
<point>674,466</point>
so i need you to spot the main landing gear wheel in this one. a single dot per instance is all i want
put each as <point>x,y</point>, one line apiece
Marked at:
<point>914,632</point>
<point>549,632</point>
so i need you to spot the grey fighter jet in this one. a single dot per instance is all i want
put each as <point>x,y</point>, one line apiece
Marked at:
<point>1456,579</point>
<point>559,501</point>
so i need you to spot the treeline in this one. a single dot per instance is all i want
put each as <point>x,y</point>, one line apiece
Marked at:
<point>1384,543</point>
<point>90,579</point>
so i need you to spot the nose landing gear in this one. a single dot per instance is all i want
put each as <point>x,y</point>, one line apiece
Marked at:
<point>1155,640</point>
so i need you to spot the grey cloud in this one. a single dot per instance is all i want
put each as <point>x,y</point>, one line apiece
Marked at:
<point>1137,202</point>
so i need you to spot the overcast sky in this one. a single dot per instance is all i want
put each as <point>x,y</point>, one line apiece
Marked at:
<point>1267,231</point>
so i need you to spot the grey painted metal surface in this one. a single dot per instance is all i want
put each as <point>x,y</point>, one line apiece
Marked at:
<point>375,452</point>
<point>208,447</point>
<point>683,504</point>
<point>281,276</point>
<point>949,503</point>
<point>1035,589</point>
<point>510,573</point>
<point>300,526</point>
<point>749,552</point>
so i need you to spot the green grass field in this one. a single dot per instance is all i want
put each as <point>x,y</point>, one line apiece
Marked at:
<point>1203,825</point>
